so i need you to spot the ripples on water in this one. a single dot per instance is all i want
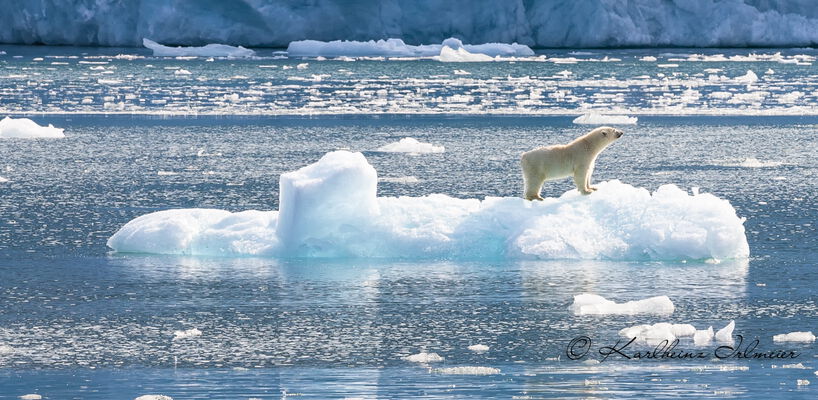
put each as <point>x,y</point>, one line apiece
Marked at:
<point>76,321</point>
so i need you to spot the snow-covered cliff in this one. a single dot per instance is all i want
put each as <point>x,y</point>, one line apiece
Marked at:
<point>537,23</point>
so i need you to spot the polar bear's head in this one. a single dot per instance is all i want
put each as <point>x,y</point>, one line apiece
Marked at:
<point>608,133</point>
<point>603,136</point>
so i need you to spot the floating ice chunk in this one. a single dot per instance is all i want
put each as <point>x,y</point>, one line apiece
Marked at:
<point>467,371</point>
<point>749,77</point>
<point>153,397</point>
<point>3,180</point>
<point>478,348</point>
<point>397,48</point>
<point>424,357</point>
<point>802,382</point>
<point>795,337</point>
<point>703,337</point>
<point>24,128</point>
<point>211,50</point>
<point>186,334</point>
<point>399,179</point>
<point>448,54</point>
<point>461,72</point>
<point>411,145</point>
<point>330,209</point>
<point>32,396</point>
<point>658,332</point>
<point>725,334</point>
<point>591,304</point>
<point>794,366</point>
<point>181,72</point>
<point>601,119</point>
<point>5,349</point>
<point>648,58</point>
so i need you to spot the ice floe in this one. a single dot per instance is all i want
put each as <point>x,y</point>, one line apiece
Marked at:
<point>24,128</point>
<point>330,209</point>
<point>603,119</point>
<point>411,145</point>
<point>656,333</point>
<point>186,334</point>
<point>210,50</point>
<point>804,337</point>
<point>467,371</point>
<point>32,396</point>
<point>424,357</point>
<point>591,304</point>
<point>397,48</point>
<point>153,397</point>
<point>478,348</point>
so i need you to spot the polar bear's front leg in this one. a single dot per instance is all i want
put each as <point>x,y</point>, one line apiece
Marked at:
<point>581,178</point>
<point>588,177</point>
<point>533,185</point>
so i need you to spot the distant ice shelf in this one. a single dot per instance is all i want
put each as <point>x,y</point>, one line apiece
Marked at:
<point>330,209</point>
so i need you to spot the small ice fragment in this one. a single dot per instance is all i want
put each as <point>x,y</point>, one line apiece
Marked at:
<point>749,77</point>
<point>411,145</point>
<point>31,396</point>
<point>594,118</point>
<point>302,66</point>
<point>182,72</point>
<point>804,337</point>
<point>193,332</point>
<point>794,366</point>
<point>703,337</point>
<point>726,334</point>
<point>154,397</point>
<point>802,382</point>
<point>3,180</point>
<point>648,58</point>
<point>424,357</point>
<point>479,348</point>
<point>467,371</point>
<point>591,304</point>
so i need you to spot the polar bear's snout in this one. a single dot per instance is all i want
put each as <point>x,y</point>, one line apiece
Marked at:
<point>619,133</point>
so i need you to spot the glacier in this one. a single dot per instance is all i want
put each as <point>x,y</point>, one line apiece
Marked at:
<point>538,23</point>
<point>330,209</point>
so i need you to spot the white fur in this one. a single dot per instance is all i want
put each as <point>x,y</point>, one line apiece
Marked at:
<point>559,161</point>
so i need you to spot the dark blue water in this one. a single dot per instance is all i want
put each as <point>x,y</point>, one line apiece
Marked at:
<point>79,322</point>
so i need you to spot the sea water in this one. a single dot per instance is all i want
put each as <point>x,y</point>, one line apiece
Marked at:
<point>80,321</point>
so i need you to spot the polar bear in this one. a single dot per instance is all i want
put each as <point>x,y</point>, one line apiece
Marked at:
<point>573,159</point>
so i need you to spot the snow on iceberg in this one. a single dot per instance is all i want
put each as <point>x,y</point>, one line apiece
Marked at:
<point>330,209</point>
<point>397,48</point>
<point>24,128</point>
<point>591,304</point>
<point>411,145</point>
<point>424,357</point>
<point>601,119</point>
<point>210,50</point>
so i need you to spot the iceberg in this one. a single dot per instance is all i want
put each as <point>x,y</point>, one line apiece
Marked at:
<point>397,48</point>
<point>24,128</point>
<point>210,50</point>
<point>331,209</point>
<point>601,119</point>
<point>591,304</point>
